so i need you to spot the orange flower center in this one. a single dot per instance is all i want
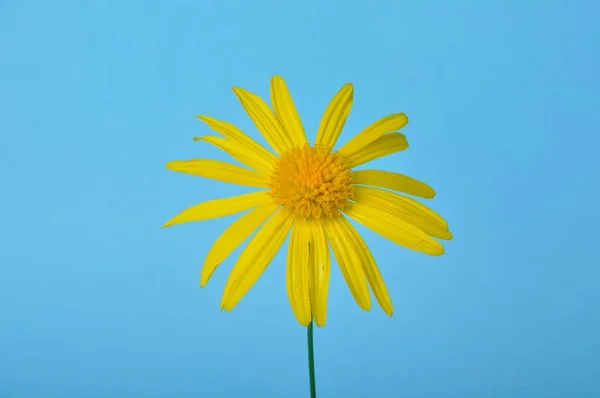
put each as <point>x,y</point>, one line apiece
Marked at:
<point>312,182</point>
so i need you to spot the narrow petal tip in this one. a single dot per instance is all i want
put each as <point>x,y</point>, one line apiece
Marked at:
<point>207,271</point>
<point>223,304</point>
<point>437,252</point>
<point>348,87</point>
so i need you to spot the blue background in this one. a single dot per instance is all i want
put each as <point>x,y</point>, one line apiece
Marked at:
<point>97,301</point>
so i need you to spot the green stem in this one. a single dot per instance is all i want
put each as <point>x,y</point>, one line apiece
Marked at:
<point>311,361</point>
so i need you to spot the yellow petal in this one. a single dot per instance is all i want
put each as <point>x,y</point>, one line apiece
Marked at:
<point>233,236</point>
<point>345,254</point>
<point>238,151</point>
<point>265,121</point>
<point>406,208</point>
<point>394,228</point>
<point>383,126</point>
<point>286,112</point>
<point>335,116</point>
<point>382,146</point>
<point>255,258</point>
<point>221,171</point>
<point>221,207</point>
<point>233,133</point>
<point>365,258</point>
<point>395,181</point>
<point>320,270</point>
<point>297,275</point>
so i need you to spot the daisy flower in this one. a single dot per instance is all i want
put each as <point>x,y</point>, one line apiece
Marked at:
<point>311,191</point>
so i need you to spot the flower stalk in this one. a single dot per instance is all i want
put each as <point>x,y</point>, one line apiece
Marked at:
<point>311,361</point>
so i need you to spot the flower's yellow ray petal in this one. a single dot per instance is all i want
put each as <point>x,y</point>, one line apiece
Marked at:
<point>335,116</point>
<point>320,270</point>
<point>233,133</point>
<point>255,258</point>
<point>286,112</point>
<point>345,254</point>
<point>221,171</point>
<point>408,209</point>
<point>395,181</point>
<point>394,228</point>
<point>221,207</point>
<point>383,126</point>
<point>297,274</point>
<point>369,265</point>
<point>265,121</point>
<point>420,207</point>
<point>384,145</point>
<point>238,151</point>
<point>233,236</point>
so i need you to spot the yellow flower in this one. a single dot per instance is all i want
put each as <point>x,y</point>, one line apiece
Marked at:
<point>309,189</point>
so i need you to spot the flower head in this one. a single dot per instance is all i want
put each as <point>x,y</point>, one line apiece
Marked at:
<point>312,182</point>
<point>310,190</point>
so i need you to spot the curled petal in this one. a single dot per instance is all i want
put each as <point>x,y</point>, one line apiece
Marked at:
<point>286,112</point>
<point>255,258</point>
<point>265,121</point>
<point>394,228</point>
<point>345,254</point>
<point>384,145</point>
<point>221,171</point>
<point>334,118</point>
<point>233,237</point>
<point>221,207</point>
<point>297,274</point>
<point>383,126</point>
<point>394,181</point>
<point>240,152</point>
<point>320,270</point>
